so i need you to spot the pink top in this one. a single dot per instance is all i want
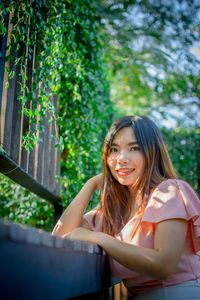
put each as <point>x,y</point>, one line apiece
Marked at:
<point>170,200</point>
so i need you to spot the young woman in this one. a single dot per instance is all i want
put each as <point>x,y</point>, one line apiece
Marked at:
<point>148,222</point>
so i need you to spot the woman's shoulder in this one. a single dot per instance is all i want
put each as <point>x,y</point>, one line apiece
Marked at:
<point>172,198</point>
<point>175,199</point>
<point>172,185</point>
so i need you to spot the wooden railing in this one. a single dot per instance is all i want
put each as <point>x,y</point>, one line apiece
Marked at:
<point>36,265</point>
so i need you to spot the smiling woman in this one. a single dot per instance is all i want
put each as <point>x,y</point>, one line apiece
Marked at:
<point>124,196</point>
<point>148,222</point>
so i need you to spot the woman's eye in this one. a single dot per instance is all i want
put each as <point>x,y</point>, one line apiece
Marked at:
<point>113,150</point>
<point>135,148</point>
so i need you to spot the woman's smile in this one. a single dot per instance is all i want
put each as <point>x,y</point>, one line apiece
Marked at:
<point>125,171</point>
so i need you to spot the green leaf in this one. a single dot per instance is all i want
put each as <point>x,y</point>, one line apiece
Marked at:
<point>11,74</point>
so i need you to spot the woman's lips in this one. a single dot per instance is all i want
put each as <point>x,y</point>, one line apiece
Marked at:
<point>125,172</point>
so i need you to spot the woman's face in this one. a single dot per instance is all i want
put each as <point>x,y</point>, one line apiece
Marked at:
<point>125,159</point>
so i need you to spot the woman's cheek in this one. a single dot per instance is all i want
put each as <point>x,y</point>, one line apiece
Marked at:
<point>111,165</point>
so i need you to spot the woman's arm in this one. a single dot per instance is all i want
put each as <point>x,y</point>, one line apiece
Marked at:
<point>73,214</point>
<point>160,262</point>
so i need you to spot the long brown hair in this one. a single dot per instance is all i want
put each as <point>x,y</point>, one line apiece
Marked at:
<point>116,204</point>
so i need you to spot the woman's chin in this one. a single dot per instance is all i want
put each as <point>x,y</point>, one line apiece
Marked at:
<point>126,182</point>
<point>129,183</point>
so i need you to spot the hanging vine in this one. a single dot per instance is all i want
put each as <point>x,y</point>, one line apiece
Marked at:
<point>64,39</point>
<point>31,23</point>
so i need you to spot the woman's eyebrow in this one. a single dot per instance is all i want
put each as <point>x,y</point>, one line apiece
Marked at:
<point>132,143</point>
<point>129,144</point>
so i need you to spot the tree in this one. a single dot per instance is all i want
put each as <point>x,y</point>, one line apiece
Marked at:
<point>148,46</point>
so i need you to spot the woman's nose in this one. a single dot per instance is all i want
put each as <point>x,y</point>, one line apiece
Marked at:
<point>123,157</point>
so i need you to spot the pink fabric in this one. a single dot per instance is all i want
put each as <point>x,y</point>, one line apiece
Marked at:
<point>171,199</point>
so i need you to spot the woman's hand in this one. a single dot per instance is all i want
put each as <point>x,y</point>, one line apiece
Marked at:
<point>82,234</point>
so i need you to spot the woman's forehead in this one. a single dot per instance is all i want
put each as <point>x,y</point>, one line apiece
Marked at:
<point>124,135</point>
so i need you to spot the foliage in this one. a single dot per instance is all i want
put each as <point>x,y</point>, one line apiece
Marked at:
<point>69,63</point>
<point>21,206</point>
<point>149,55</point>
<point>29,27</point>
<point>84,97</point>
<point>183,145</point>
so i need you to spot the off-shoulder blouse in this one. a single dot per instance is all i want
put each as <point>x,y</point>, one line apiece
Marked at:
<point>171,199</point>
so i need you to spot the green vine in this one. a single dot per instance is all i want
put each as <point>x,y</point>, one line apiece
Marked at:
<point>31,34</point>
<point>69,64</point>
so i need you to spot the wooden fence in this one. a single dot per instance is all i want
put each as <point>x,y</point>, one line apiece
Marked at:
<point>39,169</point>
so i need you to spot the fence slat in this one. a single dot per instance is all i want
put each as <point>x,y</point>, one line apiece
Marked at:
<point>40,162</point>
<point>3,41</point>
<point>57,150</point>
<point>52,158</point>
<point>25,125</point>
<point>46,153</point>
<point>57,181</point>
<point>9,109</point>
<point>17,117</point>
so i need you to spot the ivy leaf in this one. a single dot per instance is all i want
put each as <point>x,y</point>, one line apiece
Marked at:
<point>11,74</point>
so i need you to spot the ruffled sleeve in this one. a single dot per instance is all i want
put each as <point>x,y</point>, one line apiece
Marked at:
<point>98,220</point>
<point>175,199</point>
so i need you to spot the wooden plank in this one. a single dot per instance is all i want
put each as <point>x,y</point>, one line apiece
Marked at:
<point>3,42</point>
<point>24,152</point>
<point>40,162</point>
<point>54,171</point>
<point>9,108</point>
<point>6,142</point>
<point>9,168</point>
<point>37,166</point>
<point>32,162</point>
<point>46,152</point>
<point>25,125</point>
<point>57,268</point>
<point>30,67</point>
<point>52,165</point>
<point>31,155</point>
<point>3,110</point>
<point>16,136</point>
<point>57,181</point>
<point>57,151</point>
<point>35,66</point>
<point>40,144</point>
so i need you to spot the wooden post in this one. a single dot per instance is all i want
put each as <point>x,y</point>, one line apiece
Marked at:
<point>3,41</point>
